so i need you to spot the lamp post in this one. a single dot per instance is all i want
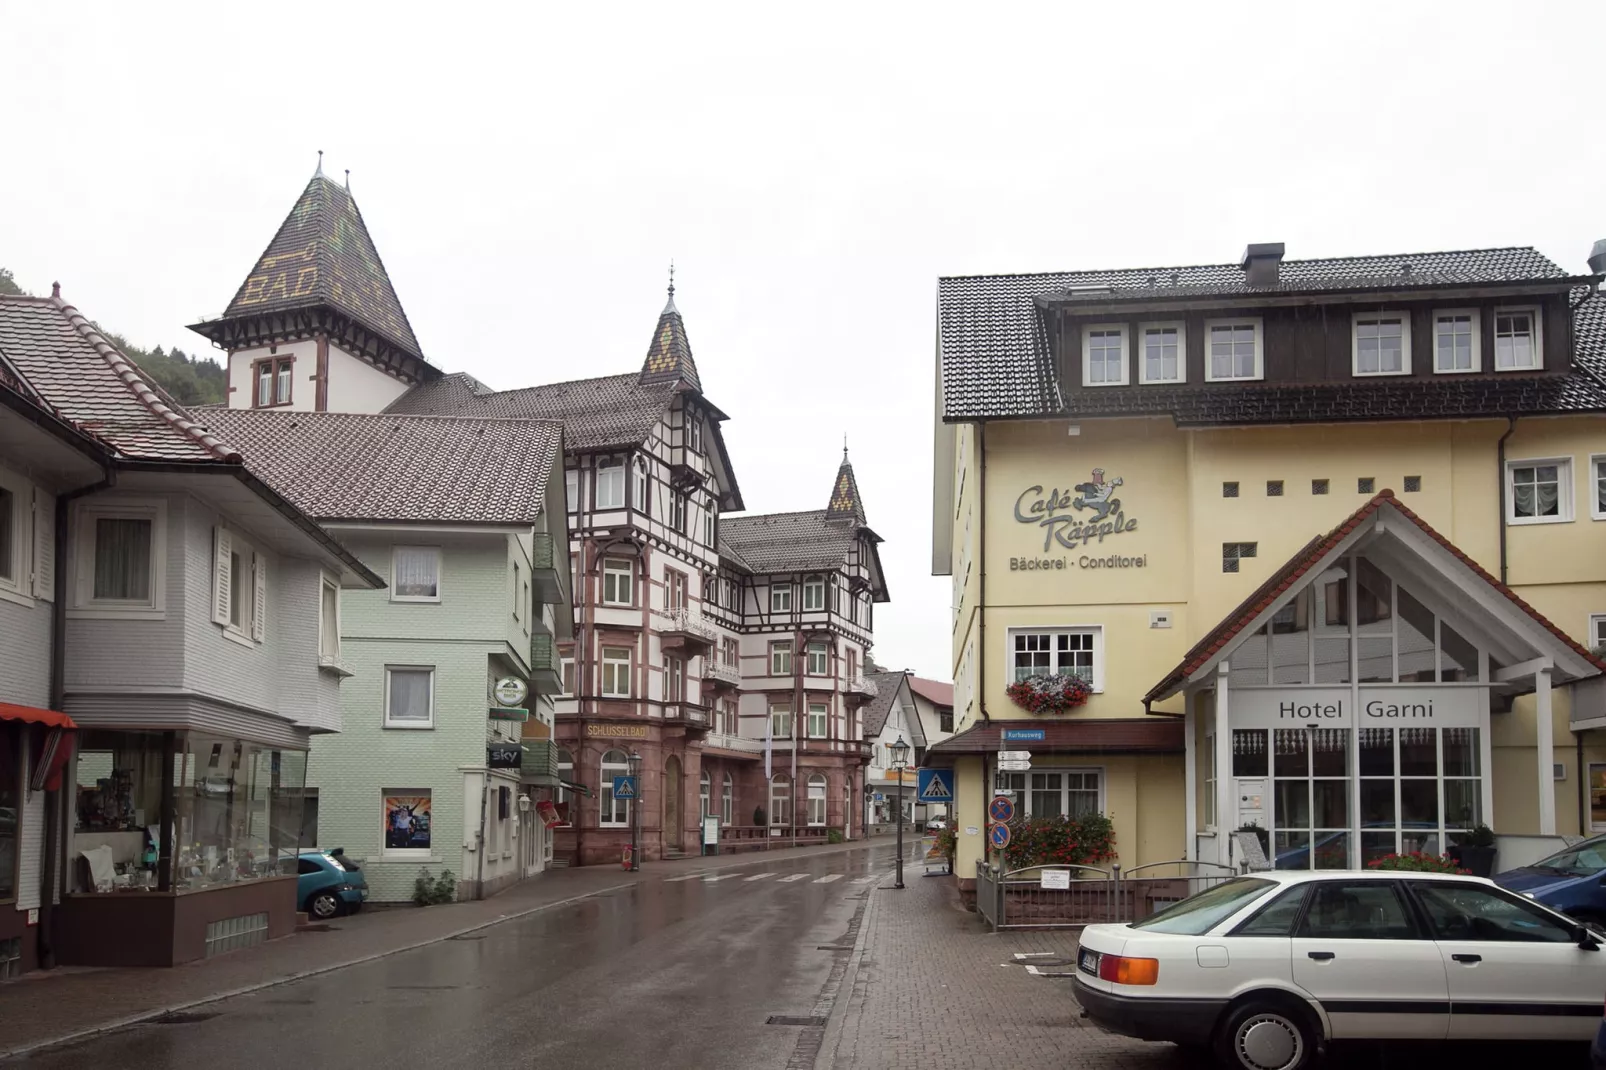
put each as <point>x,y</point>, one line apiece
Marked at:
<point>635,814</point>
<point>900,759</point>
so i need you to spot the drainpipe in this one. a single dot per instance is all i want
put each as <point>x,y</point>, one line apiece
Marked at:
<point>1500,460</point>
<point>58,698</point>
<point>1583,784</point>
<point>981,578</point>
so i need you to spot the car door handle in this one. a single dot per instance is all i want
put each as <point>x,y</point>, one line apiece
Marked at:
<point>1321,956</point>
<point>1468,959</point>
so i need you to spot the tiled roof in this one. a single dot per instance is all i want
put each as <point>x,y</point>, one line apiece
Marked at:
<point>788,542</point>
<point>669,354</point>
<point>933,691</point>
<point>997,359</point>
<point>888,684</point>
<point>386,467</point>
<point>1089,735</point>
<point>89,382</point>
<point>1289,575</point>
<point>324,255</point>
<point>615,411</point>
<point>845,502</point>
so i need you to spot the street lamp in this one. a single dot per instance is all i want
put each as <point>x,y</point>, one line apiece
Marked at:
<point>900,759</point>
<point>635,814</point>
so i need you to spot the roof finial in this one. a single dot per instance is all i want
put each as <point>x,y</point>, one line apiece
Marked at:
<point>55,289</point>
<point>348,179</point>
<point>671,276</point>
<point>844,447</point>
<point>319,171</point>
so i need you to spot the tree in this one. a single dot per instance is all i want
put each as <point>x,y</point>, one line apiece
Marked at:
<point>8,284</point>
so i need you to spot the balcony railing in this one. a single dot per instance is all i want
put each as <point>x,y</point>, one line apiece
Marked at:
<point>681,623</point>
<point>688,714</point>
<point>546,674</point>
<point>721,673</point>
<point>728,742</point>
<point>545,581</point>
<point>539,762</point>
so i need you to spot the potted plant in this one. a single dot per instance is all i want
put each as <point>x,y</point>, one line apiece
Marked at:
<point>1474,850</point>
<point>1417,862</point>
<point>1049,694</point>
<point>758,816</point>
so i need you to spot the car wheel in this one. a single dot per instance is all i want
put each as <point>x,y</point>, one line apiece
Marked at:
<point>323,905</point>
<point>1267,1035</point>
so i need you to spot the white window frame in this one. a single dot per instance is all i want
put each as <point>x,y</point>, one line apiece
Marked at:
<point>1141,356</point>
<point>789,796</point>
<point>1477,340</point>
<point>1564,491</point>
<point>610,477</point>
<point>778,649</point>
<point>86,513</point>
<point>780,598</point>
<point>1597,631</point>
<point>327,583</point>
<point>711,522</point>
<point>816,780</point>
<point>822,710</point>
<point>1259,325</point>
<point>614,567</point>
<point>420,853</point>
<point>640,485</point>
<point>19,587</point>
<point>571,489</point>
<point>780,720</point>
<point>674,679</point>
<point>816,647</point>
<point>727,799</point>
<point>566,677</point>
<point>613,663</point>
<point>1095,630</point>
<point>1355,342</point>
<point>1597,483</point>
<point>813,594</point>
<point>678,512</point>
<point>251,627</point>
<point>607,806</point>
<point>1208,811</point>
<point>1122,331</point>
<point>440,567</point>
<point>705,794</point>
<point>1532,311</point>
<point>410,725</point>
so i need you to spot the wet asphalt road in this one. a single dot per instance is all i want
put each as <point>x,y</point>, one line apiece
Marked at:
<point>670,974</point>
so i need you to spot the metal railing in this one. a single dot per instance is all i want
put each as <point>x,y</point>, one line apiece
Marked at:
<point>682,621</point>
<point>863,685</point>
<point>716,670</point>
<point>1076,895</point>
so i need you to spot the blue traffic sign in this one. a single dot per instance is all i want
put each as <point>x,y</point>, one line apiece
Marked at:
<point>999,834</point>
<point>1001,809</point>
<point>624,787</point>
<point>1024,735</point>
<point>936,786</point>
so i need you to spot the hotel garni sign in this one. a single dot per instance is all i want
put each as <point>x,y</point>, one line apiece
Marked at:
<point>1080,518</point>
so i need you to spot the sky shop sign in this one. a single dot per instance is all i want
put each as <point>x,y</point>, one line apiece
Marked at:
<point>1382,706</point>
<point>1075,519</point>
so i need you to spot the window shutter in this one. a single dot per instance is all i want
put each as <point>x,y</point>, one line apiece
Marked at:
<point>222,587</point>
<point>259,600</point>
<point>44,545</point>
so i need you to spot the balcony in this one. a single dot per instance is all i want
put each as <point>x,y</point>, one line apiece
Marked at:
<point>539,763</point>
<point>684,629</point>
<point>720,674</point>
<point>546,586</point>
<point>546,674</point>
<point>687,715</point>
<point>861,689</point>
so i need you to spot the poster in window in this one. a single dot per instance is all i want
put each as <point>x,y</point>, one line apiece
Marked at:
<point>407,822</point>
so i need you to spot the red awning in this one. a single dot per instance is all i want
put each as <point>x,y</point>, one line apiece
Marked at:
<point>33,715</point>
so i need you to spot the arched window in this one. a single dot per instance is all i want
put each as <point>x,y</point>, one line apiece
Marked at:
<point>817,799</point>
<point>614,813</point>
<point>780,799</point>
<point>727,801</point>
<point>563,797</point>
<point>705,790</point>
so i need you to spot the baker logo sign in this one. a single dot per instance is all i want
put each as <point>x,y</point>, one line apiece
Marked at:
<point>1059,512</point>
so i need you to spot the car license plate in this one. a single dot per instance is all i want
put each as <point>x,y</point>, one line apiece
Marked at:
<point>1088,962</point>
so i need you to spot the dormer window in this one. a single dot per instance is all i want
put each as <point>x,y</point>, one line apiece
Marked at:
<point>1104,355</point>
<point>1516,339</point>
<point>1456,341</point>
<point>1162,352</point>
<point>1233,350</point>
<point>1382,343</point>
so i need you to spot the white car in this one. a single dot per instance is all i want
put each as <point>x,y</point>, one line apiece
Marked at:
<point>1265,969</point>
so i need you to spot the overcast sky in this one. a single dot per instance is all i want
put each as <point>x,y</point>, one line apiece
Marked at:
<point>528,172</point>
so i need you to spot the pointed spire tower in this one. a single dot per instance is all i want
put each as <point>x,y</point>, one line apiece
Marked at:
<point>669,355</point>
<point>846,507</point>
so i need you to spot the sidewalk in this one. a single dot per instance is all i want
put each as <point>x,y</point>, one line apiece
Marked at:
<point>44,1008</point>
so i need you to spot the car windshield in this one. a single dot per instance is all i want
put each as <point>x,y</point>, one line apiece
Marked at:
<point>1582,860</point>
<point>1198,914</point>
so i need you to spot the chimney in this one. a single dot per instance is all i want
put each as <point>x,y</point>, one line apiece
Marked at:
<point>1597,258</point>
<point>1260,263</point>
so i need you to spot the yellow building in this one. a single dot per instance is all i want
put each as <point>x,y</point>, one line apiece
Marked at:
<point>1326,538</point>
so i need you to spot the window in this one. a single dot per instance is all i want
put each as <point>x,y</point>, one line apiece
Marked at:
<point>1055,792</point>
<point>818,658</point>
<point>1229,489</point>
<point>1516,339</point>
<point>1277,917</point>
<point>273,381</point>
<point>14,503</point>
<point>406,822</point>
<point>732,718</point>
<point>1210,782</point>
<point>781,598</point>
<point>618,575</point>
<point>1198,914</point>
<point>1366,485</point>
<point>1597,630</point>
<point>674,679</point>
<point>1274,488</point>
<point>328,621</point>
<point>1382,343</point>
<point>1456,341</point>
<point>1358,910</point>
<point>567,667</point>
<point>674,589</point>
<point>813,593</point>
<point>1310,801</point>
<point>571,488</point>
<point>705,793</point>
<point>711,523</point>
<point>1476,912</point>
<point>616,671</point>
<point>816,799</point>
<point>817,720</point>
<point>1539,492</point>
<point>780,720</point>
<point>1164,353</point>
<point>611,485</point>
<point>561,794</point>
<point>409,696</point>
<point>780,800</point>
<point>727,800</point>
<point>1233,552</point>
<point>416,574</point>
<point>121,564</point>
<point>1318,486</point>
<point>611,812</point>
<point>1597,474</point>
<point>781,658</point>
<point>1413,484</point>
<point>945,719</point>
<point>1104,355</point>
<point>1232,350</point>
<point>639,492</point>
<point>1062,652</point>
<point>677,511</point>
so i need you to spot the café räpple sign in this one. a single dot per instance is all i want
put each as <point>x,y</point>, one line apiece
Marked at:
<point>1083,517</point>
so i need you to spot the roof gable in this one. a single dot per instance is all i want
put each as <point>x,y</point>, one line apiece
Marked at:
<point>669,355</point>
<point>845,504</point>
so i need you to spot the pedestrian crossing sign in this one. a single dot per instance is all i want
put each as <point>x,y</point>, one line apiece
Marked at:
<point>936,785</point>
<point>624,787</point>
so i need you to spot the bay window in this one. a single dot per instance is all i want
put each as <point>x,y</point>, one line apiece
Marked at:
<point>611,485</point>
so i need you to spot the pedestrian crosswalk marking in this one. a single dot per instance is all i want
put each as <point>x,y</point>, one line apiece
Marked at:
<point>687,877</point>
<point>828,878</point>
<point>863,880</point>
<point>711,878</point>
<point>793,877</point>
<point>760,876</point>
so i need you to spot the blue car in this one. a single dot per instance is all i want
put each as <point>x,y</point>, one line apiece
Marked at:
<point>1569,881</point>
<point>330,884</point>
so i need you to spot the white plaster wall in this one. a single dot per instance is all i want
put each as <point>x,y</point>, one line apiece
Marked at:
<point>357,386</point>
<point>303,391</point>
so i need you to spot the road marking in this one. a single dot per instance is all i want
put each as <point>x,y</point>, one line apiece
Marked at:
<point>793,877</point>
<point>828,878</point>
<point>1034,954</point>
<point>863,880</point>
<point>760,876</point>
<point>687,877</point>
<point>719,877</point>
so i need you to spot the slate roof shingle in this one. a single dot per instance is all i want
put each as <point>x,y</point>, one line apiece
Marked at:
<point>998,361</point>
<point>387,467</point>
<point>788,542</point>
<point>669,355</point>
<point>888,684</point>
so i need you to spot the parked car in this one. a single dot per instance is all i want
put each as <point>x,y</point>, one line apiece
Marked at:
<point>330,884</point>
<point>1597,1050</point>
<point>1267,968</point>
<point>936,824</point>
<point>1568,881</point>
